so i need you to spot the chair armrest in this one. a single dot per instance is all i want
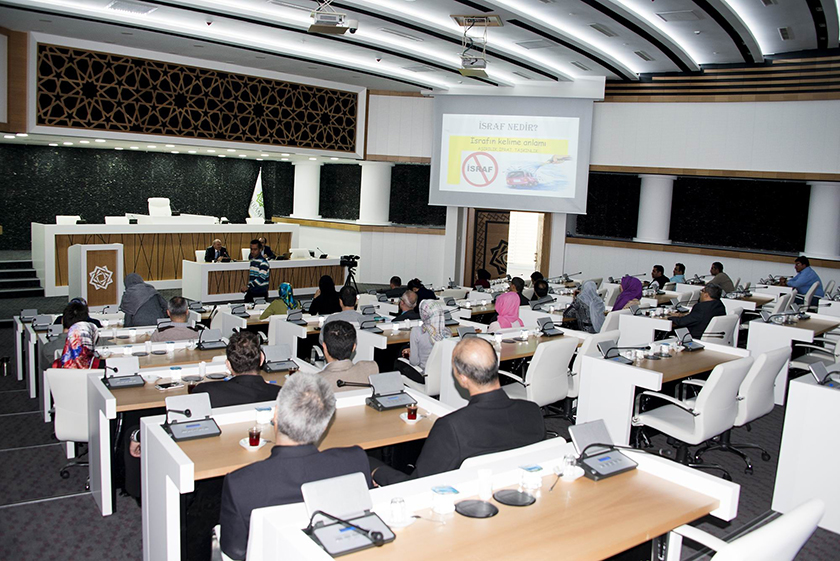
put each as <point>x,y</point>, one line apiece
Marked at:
<point>815,348</point>
<point>693,382</point>
<point>701,537</point>
<point>513,377</point>
<point>826,340</point>
<point>665,397</point>
<point>401,359</point>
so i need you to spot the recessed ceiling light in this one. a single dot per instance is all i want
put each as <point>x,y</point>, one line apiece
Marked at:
<point>84,142</point>
<point>243,155</point>
<point>9,136</point>
<point>264,155</point>
<point>170,146</point>
<point>53,144</point>
<point>191,151</point>
<point>313,159</point>
<point>134,147</point>
<point>67,143</point>
<point>21,134</point>
<point>222,156</point>
<point>284,159</point>
<point>401,34</point>
<point>118,148</point>
<point>211,151</point>
<point>175,152</point>
<point>259,159</point>
<point>334,159</point>
<point>284,154</point>
<point>231,150</point>
<point>151,146</point>
<point>131,7</point>
<point>99,140</point>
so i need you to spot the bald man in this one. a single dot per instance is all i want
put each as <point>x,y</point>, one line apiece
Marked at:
<point>216,253</point>
<point>491,421</point>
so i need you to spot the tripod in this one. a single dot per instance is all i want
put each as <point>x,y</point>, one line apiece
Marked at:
<point>351,279</point>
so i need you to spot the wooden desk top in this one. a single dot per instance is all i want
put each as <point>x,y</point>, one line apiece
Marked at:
<point>179,358</point>
<point>585,520</point>
<point>818,326</point>
<point>523,349</point>
<point>481,310</point>
<point>402,337</point>
<point>759,299</point>
<point>359,426</point>
<point>685,364</point>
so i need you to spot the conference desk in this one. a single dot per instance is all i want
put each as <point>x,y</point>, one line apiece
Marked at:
<point>608,388</point>
<point>170,469</point>
<point>223,282</point>
<point>579,520</point>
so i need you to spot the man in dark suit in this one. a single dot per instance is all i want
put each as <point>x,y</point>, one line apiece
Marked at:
<point>702,312</point>
<point>244,359</point>
<point>216,253</point>
<point>305,406</point>
<point>266,250</point>
<point>395,288</point>
<point>408,307</point>
<point>491,421</point>
<point>540,289</point>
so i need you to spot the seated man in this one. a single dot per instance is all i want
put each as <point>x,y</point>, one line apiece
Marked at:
<point>258,274</point>
<point>304,409</point>
<point>805,277</point>
<point>702,312</point>
<point>266,250</point>
<point>244,359</point>
<point>408,307</point>
<point>658,278</point>
<point>339,344</point>
<point>491,421</point>
<point>540,289</point>
<point>179,330</point>
<point>679,273</point>
<point>720,278</point>
<point>518,285</point>
<point>395,289</point>
<point>216,253</point>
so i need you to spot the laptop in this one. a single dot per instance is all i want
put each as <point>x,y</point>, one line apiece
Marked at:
<point>675,302</point>
<point>821,373</point>
<point>447,319</point>
<point>684,337</point>
<point>609,352</point>
<point>278,359</point>
<point>467,331</point>
<point>369,325</point>
<point>296,317</point>
<point>546,325</point>
<point>210,339</point>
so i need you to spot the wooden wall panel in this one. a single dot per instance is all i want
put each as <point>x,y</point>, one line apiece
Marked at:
<point>16,75</point>
<point>226,282</point>
<point>157,257</point>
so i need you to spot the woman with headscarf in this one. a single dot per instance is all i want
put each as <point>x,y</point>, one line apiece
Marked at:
<point>141,303</point>
<point>326,300</point>
<point>423,338</point>
<point>284,303</point>
<point>79,348</point>
<point>507,312</point>
<point>589,308</point>
<point>631,293</point>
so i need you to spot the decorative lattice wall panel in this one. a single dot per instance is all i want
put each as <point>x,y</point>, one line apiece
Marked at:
<point>109,92</point>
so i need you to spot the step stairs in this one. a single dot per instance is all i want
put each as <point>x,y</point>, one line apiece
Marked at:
<point>19,280</point>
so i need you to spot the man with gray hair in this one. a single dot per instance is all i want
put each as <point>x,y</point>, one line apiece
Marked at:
<point>216,253</point>
<point>491,421</point>
<point>305,406</point>
<point>179,329</point>
<point>408,306</point>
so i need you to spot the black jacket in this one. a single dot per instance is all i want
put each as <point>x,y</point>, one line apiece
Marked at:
<point>700,316</point>
<point>410,314</point>
<point>268,253</point>
<point>210,254</point>
<point>491,422</point>
<point>424,294</point>
<point>238,391</point>
<point>394,292</point>
<point>276,481</point>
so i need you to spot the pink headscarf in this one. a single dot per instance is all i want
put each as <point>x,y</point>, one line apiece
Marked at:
<point>507,308</point>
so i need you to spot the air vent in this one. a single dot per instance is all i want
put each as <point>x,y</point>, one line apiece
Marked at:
<point>419,68</point>
<point>603,29</point>
<point>786,33</point>
<point>283,4</point>
<point>522,75</point>
<point>400,34</point>
<point>769,2</point>
<point>484,20</point>
<point>129,7</point>
<point>681,15</point>
<point>643,55</point>
<point>581,66</point>
<point>540,44</point>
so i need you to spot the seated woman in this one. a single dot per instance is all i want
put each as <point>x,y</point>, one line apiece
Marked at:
<point>78,349</point>
<point>423,338</point>
<point>631,293</point>
<point>588,308</point>
<point>483,279</point>
<point>326,299</point>
<point>283,304</point>
<point>141,302</point>
<point>507,312</point>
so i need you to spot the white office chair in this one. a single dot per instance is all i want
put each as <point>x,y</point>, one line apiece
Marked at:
<point>611,321</point>
<point>121,220</point>
<point>611,296</point>
<point>589,347</point>
<point>755,399</point>
<point>68,387</point>
<point>199,256</point>
<point>747,285</point>
<point>528,293</point>
<point>722,330</point>
<point>828,354</point>
<point>692,422</point>
<point>546,380</point>
<point>597,282</point>
<point>159,206</point>
<point>779,540</point>
<point>806,301</point>
<point>257,220</point>
<point>437,365</point>
<point>670,286</point>
<point>829,287</point>
<point>67,220</point>
<point>694,297</point>
<point>456,293</point>
<point>216,553</point>
<point>246,253</point>
<point>737,282</point>
<point>367,300</point>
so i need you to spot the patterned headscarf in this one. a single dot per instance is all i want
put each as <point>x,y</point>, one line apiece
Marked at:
<point>78,349</point>
<point>507,309</point>
<point>432,314</point>
<point>288,296</point>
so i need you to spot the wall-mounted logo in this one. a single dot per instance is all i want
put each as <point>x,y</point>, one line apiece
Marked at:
<point>101,278</point>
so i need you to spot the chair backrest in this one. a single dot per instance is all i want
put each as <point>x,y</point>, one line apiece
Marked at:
<point>779,540</point>
<point>613,290</point>
<point>159,206</point>
<point>810,294</point>
<point>116,220</point>
<point>547,375</point>
<point>737,282</point>
<point>246,253</point>
<point>478,461</point>
<point>597,282</point>
<point>747,285</point>
<point>367,300</point>
<point>65,220</point>
<point>830,286</point>
<point>756,394</point>
<point>611,321</point>
<point>257,220</point>
<point>456,293</point>
<point>695,297</point>
<point>528,292</point>
<point>782,303</point>
<point>717,402</point>
<point>669,286</point>
<point>722,330</point>
<point>588,348</point>
<point>199,255</point>
<point>436,364</point>
<point>68,387</point>
<point>685,297</point>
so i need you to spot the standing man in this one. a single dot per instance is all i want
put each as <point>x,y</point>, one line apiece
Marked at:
<point>720,278</point>
<point>658,278</point>
<point>804,279</point>
<point>258,273</point>
<point>679,273</point>
<point>216,253</point>
<point>266,250</point>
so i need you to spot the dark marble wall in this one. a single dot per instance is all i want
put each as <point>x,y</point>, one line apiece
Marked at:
<point>612,206</point>
<point>40,182</point>
<point>410,197</point>
<point>341,186</point>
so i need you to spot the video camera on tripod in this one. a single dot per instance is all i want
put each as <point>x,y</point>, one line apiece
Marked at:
<point>351,262</point>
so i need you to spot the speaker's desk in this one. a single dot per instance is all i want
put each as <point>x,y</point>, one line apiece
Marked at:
<point>170,469</point>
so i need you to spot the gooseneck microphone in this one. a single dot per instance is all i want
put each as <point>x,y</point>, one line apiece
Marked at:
<point>342,383</point>
<point>186,412</point>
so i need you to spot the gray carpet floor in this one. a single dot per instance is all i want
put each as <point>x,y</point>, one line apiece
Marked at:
<point>45,517</point>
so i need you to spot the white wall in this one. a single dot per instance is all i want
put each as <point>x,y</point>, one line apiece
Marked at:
<point>597,261</point>
<point>400,126</point>
<point>792,136</point>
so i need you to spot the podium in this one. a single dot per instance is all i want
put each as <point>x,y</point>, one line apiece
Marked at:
<point>96,273</point>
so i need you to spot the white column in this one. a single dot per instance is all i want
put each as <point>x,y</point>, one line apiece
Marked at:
<point>307,189</point>
<point>655,209</point>
<point>376,192</point>
<point>822,239</point>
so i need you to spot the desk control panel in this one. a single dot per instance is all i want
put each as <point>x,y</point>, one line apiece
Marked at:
<point>191,430</point>
<point>606,464</point>
<point>385,402</point>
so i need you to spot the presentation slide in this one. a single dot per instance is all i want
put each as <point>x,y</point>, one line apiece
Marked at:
<point>501,154</point>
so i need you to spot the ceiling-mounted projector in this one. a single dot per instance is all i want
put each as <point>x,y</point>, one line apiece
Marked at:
<point>473,67</point>
<point>332,23</point>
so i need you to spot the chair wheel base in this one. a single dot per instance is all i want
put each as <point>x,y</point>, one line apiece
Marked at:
<point>64,474</point>
<point>765,456</point>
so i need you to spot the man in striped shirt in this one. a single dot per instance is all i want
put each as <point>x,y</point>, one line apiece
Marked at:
<point>257,274</point>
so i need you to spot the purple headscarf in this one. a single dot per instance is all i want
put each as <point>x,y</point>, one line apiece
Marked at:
<point>631,289</point>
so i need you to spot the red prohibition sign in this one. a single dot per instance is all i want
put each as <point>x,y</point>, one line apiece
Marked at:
<point>474,158</point>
